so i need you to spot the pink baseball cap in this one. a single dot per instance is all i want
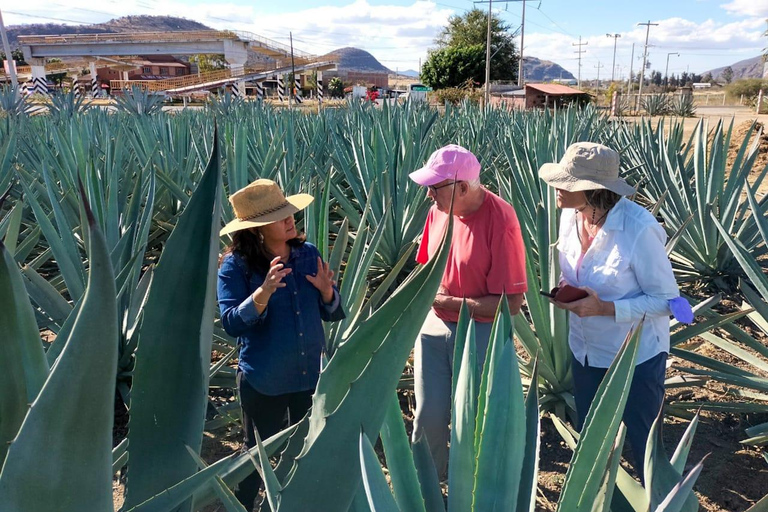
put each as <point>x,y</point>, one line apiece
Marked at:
<point>447,163</point>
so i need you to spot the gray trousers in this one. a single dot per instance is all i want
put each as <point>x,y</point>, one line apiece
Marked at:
<point>433,375</point>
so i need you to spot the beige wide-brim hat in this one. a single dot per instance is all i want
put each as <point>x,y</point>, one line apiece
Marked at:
<point>586,166</point>
<point>261,203</point>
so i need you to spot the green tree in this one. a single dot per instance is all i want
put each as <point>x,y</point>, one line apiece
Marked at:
<point>336,87</point>
<point>207,62</point>
<point>453,66</point>
<point>706,78</point>
<point>471,29</point>
<point>17,56</point>
<point>727,74</point>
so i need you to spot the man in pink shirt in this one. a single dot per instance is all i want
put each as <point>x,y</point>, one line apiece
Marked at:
<point>486,260</point>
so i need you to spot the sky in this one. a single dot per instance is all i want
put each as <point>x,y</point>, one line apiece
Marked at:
<point>399,33</point>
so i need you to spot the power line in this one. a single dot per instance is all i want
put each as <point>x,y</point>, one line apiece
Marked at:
<point>579,52</point>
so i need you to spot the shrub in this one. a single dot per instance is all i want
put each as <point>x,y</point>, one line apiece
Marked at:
<point>656,104</point>
<point>682,105</point>
<point>749,87</point>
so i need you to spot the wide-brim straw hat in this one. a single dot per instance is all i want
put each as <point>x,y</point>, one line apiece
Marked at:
<point>261,203</point>
<point>586,166</point>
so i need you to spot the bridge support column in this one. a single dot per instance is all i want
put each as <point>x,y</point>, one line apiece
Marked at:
<point>238,89</point>
<point>236,54</point>
<point>260,90</point>
<point>39,82</point>
<point>297,88</point>
<point>320,88</point>
<point>76,86</point>
<point>281,88</point>
<point>94,80</point>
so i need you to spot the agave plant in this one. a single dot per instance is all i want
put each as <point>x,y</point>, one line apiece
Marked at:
<point>139,101</point>
<point>64,105</point>
<point>13,102</point>
<point>682,106</point>
<point>656,104</point>
<point>695,180</point>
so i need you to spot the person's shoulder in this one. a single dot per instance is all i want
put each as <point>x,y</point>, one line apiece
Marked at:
<point>499,209</point>
<point>229,262</point>
<point>637,219</point>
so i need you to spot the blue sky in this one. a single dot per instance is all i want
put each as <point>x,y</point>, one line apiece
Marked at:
<point>706,33</point>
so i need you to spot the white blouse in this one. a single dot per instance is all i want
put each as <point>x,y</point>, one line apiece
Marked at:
<point>628,265</point>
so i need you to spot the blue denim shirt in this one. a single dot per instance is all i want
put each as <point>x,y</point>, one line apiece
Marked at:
<point>280,349</point>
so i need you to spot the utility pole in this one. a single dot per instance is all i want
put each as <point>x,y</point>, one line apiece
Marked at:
<point>488,58</point>
<point>580,51</point>
<point>666,70</point>
<point>598,74</point>
<point>631,68</point>
<point>648,26</point>
<point>293,74</point>
<point>520,78</point>
<point>8,56</point>
<point>613,66</point>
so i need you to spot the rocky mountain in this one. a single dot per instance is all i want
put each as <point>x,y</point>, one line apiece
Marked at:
<point>355,59</point>
<point>535,69</point>
<point>124,24</point>
<point>749,68</point>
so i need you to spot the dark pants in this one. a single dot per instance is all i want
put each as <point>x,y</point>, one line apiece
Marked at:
<point>646,396</point>
<point>267,415</point>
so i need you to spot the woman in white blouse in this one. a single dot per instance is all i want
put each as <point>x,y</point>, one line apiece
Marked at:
<point>614,250</point>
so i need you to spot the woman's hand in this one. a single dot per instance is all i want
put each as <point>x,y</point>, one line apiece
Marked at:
<point>274,279</point>
<point>591,305</point>
<point>323,280</point>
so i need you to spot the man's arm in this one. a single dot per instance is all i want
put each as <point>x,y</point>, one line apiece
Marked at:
<point>479,306</point>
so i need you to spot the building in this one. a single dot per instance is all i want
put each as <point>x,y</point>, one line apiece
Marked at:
<point>540,96</point>
<point>152,67</point>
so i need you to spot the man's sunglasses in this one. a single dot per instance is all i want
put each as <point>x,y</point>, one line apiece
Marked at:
<point>434,189</point>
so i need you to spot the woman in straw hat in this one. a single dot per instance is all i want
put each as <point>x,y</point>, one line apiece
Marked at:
<point>274,292</point>
<point>612,250</point>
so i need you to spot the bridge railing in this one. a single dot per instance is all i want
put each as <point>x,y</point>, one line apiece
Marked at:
<point>123,37</point>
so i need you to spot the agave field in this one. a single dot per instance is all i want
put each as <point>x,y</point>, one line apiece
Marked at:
<point>109,226</point>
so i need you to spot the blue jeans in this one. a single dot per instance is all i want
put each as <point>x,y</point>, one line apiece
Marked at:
<point>646,397</point>
<point>433,378</point>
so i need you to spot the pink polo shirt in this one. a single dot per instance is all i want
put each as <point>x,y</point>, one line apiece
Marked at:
<point>487,256</point>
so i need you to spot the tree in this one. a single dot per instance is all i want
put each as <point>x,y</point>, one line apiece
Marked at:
<point>706,78</point>
<point>471,29</point>
<point>656,77</point>
<point>207,62</point>
<point>336,87</point>
<point>453,66</point>
<point>727,74</point>
<point>17,56</point>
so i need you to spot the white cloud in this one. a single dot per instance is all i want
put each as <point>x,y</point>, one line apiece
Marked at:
<point>757,8</point>
<point>702,46</point>
<point>396,35</point>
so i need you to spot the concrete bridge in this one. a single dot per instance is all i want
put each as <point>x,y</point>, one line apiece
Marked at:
<point>233,45</point>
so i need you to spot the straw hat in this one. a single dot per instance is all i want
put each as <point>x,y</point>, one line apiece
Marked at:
<point>261,203</point>
<point>586,166</point>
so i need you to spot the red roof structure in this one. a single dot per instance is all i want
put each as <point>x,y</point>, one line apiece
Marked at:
<point>554,89</point>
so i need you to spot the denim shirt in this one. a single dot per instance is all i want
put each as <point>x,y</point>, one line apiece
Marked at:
<point>279,349</point>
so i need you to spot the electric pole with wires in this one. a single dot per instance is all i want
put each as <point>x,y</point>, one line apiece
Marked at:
<point>580,51</point>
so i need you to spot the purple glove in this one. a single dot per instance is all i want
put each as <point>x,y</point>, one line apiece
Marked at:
<point>681,310</point>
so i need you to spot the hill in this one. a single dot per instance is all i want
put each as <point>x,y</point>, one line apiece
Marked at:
<point>355,59</point>
<point>749,68</point>
<point>535,69</point>
<point>124,24</point>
